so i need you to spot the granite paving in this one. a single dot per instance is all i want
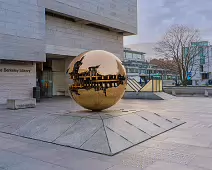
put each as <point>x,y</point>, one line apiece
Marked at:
<point>108,132</point>
<point>186,147</point>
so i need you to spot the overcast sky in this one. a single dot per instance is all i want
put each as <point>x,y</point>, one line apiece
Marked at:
<point>155,16</point>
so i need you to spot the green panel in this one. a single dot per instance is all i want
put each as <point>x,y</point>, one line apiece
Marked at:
<point>186,51</point>
<point>202,56</point>
<point>201,43</point>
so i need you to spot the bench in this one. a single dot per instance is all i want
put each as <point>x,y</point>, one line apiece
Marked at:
<point>21,103</point>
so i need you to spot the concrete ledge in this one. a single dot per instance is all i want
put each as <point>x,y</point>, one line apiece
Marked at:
<point>142,95</point>
<point>21,103</point>
<point>189,91</point>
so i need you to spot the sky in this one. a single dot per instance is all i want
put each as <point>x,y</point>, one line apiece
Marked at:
<point>156,16</point>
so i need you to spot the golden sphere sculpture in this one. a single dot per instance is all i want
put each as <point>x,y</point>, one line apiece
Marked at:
<point>98,80</point>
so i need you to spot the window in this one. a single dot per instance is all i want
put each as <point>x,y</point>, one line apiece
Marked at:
<point>137,56</point>
<point>131,70</point>
<point>129,55</point>
<point>205,76</point>
<point>202,56</point>
<point>201,68</point>
<point>143,71</point>
<point>169,77</point>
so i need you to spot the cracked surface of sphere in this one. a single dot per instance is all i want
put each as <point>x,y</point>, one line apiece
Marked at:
<point>98,80</point>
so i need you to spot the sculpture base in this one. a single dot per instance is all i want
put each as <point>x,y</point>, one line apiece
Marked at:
<point>108,132</point>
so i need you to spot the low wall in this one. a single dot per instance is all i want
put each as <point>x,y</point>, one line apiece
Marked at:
<point>141,95</point>
<point>189,91</point>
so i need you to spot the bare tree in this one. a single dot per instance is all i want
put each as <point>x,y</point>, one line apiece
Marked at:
<point>179,45</point>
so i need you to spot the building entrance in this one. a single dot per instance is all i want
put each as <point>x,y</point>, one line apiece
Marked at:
<point>44,78</point>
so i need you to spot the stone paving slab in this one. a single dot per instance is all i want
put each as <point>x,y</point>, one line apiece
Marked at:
<point>143,124</point>
<point>98,139</point>
<point>202,162</point>
<point>32,127</point>
<point>116,142</point>
<point>191,140</point>
<point>170,155</point>
<point>156,119</point>
<point>170,166</point>
<point>5,159</point>
<point>56,128</point>
<point>125,130</point>
<point>78,134</point>
<point>108,132</point>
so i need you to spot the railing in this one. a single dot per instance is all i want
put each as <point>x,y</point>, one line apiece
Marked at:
<point>151,86</point>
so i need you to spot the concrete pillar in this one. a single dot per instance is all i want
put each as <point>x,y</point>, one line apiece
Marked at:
<point>67,80</point>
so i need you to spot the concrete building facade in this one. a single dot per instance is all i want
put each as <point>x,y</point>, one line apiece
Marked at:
<point>38,40</point>
<point>134,62</point>
<point>139,69</point>
<point>201,67</point>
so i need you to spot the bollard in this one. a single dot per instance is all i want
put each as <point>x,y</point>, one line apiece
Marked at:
<point>206,93</point>
<point>173,92</point>
<point>36,93</point>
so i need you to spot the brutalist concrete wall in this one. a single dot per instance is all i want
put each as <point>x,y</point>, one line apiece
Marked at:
<point>17,84</point>
<point>69,38</point>
<point>22,30</point>
<point>121,14</point>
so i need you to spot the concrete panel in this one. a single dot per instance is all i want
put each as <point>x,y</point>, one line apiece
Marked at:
<point>110,135</point>
<point>34,126</point>
<point>59,84</point>
<point>126,130</point>
<point>156,119</point>
<point>56,128</point>
<point>142,124</point>
<point>65,37</point>
<point>188,91</point>
<point>141,95</point>
<point>80,132</point>
<point>98,143</point>
<point>164,96</point>
<point>22,31</point>
<point>116,142</point>
<point>6,162</point>
<point>16,84</point>
<point>121,15</point>
<point>21,103</point>
<point>67,80</point>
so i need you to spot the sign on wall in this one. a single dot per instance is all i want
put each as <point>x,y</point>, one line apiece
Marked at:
<point>8,69</point>
<point>14,70</point>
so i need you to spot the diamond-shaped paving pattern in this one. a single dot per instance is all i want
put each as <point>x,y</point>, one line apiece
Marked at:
<point>108,132</point>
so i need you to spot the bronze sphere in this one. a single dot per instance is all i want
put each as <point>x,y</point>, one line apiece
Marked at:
<point>99,80</point>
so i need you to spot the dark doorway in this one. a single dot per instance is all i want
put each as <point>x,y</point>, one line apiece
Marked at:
<point>44,78</point>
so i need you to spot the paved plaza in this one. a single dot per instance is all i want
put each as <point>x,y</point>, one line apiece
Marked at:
<point>186,147</point>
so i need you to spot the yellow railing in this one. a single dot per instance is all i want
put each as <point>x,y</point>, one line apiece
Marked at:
<point>151,86</point>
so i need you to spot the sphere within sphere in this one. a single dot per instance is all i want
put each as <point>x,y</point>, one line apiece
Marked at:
<point>98,80</point>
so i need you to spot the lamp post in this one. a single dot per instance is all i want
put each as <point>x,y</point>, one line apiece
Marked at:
<point>149,74</point>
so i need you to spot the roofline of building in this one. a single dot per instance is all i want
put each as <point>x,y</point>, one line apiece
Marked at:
<point>133,51</point>
<point>88,23</point>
